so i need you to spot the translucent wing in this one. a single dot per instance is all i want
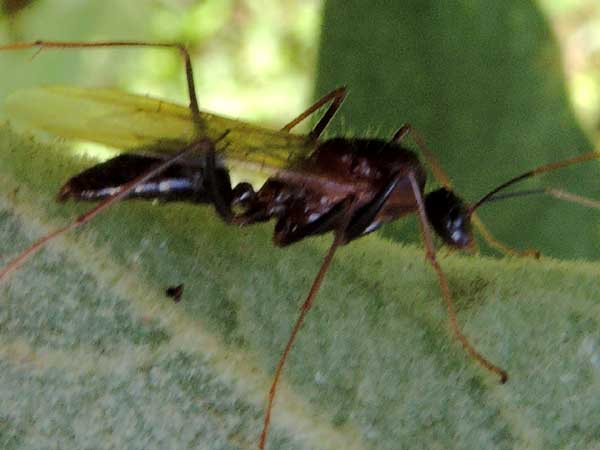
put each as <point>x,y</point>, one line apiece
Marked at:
<point>126,121</point>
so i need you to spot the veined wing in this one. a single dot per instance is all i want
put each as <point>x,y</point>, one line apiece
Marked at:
<point>127,121</point>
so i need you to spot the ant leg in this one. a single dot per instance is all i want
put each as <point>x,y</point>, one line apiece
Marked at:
<point>435,166</point>
<point>339,239</point>
<point>203,145</point>
<point>365,217</point>
<point>222,194</point>
<point>550,167</point>
<point>287,233</point>
<point>219,187</point>
<point>360,220</point>
<point>336,97</point>
<point>430,255</point>
<point>218,180</point>
<point>41,45</point>
<point>489,238</point>
<point>440,175</point>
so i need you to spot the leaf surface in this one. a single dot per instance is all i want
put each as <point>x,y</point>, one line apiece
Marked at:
<point>94,355</point>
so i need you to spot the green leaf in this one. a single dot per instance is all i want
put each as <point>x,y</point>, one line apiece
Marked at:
<point>94,355</point>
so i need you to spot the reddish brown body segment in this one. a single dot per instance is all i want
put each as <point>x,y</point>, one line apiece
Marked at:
<point>339,168</point>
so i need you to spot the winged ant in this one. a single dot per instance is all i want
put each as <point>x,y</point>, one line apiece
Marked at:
<point>347,186</point>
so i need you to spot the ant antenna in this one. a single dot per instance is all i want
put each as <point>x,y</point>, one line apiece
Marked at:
<point>553,192</point>
<point>532,173</point>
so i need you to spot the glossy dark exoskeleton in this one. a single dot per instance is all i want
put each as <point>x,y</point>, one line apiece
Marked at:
<point>373,171</point>
<point>182,182</point>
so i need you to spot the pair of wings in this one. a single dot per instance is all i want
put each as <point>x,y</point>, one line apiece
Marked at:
<point>128,122</point>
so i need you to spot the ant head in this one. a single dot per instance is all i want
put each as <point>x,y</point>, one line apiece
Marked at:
<point>449,217</point>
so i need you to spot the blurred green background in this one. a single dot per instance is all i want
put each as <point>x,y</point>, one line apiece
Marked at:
<point>486,83</point>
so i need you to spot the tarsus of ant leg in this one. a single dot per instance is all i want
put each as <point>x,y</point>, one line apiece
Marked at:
<point>430,255</point>
<point>89,215</point>
<point>103,44</point>
<point>496,244</point>
<point>338,240</point>
<point>557,193</point>
<point>532,173</point>
<point>303,311</point>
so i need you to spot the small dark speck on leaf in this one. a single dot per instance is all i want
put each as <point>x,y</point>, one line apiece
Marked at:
<point>175,292</point>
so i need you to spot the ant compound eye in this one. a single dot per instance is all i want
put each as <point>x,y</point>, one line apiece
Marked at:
<point>459,227</point>
<point>456,219</point>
